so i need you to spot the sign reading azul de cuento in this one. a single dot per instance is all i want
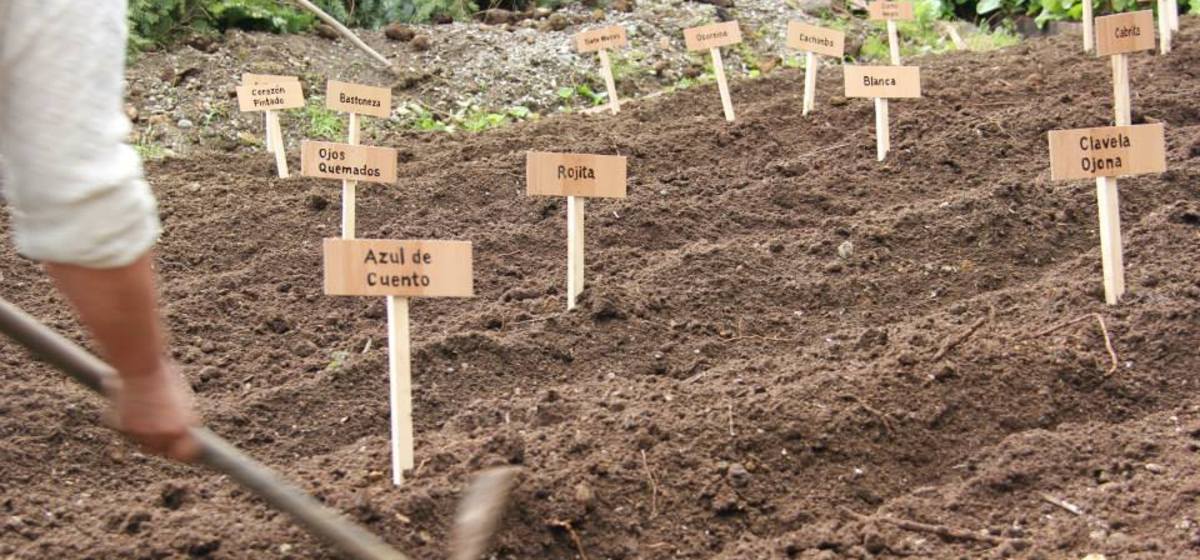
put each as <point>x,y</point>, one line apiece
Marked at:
<point>409,268</point>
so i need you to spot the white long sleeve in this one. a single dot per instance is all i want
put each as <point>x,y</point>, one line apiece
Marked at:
<point>74,185</point>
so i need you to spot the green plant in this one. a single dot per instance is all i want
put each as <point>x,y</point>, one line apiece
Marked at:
<point>322,122</point>
<point>147,148</point>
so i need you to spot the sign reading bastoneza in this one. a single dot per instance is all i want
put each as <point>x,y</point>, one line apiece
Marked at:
<point>350,163</point>
<point>810,38</point>
<point>896,11</point>
<point>587,175</point>
<point>354,98</point>
<point>596,39</point>
<point>712,36</point>
<point>271,96</point>
<point>883,81</point>
<point>1112,151</point>
<point>1125,33</point>
<point>379,267</point>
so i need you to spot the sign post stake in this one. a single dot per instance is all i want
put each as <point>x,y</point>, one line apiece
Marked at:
<point>1173,14</point>
<point>883,132</point>
<point>400,388</point>
<point>350,188</point>
<point>1089,33</point>
<point>575,244</point>
<point>722,84</point>
<point>276,135</point>
<point>810,81</point>
<point>1164,27</point>
<point>1108,197</point>
<point>888,12</point>
<point>270,144</point>
<point>606,70</point>
<point>893,42</point>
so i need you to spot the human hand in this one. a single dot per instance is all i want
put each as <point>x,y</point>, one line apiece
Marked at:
<point>155,411</point>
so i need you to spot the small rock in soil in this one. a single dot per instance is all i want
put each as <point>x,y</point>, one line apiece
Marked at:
<point>421,43</point>
<point>326,32</point>
<point>316,202</point>
<point>399,32</point>
<point>846,249</point>
<point>738,475</point>
<point>558,22</point>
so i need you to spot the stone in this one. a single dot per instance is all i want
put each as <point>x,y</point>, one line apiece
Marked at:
<point>399,32</point>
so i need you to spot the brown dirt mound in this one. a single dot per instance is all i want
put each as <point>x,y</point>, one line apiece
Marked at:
<point>731,386</point>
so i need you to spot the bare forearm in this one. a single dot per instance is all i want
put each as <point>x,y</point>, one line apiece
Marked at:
<point>119,307</point>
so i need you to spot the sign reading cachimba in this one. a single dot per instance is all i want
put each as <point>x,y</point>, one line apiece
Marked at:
<point>379,267</point>
<point>596,39</point>
<point>363,100</point>
<point>328,160</point>
<point>810,38</point>
<point>712,36</point>
<point>271,96</point>
<point>1113,151</point>
<point>587,175</point>
<point>896,11</point>
<point>883,81</point>
<point>1125,33</point>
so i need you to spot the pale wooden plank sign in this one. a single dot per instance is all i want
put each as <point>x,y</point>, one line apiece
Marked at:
<point>328,160</point>
<point>408,268</point>
<point>712,36</point>
<point>1125,33</point>
<point>810,38</point>
<point>359,99</point>
<point>583,175</point>
<point>270,96</point>
<point>883,81</point>
<point>1111,151</point>
<point>599,39</point>
<point>893,11</point>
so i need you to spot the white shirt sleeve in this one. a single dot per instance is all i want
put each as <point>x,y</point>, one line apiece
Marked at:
<point>73,184</point>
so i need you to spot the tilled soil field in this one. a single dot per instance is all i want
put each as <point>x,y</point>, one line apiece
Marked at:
<point>786,350</point>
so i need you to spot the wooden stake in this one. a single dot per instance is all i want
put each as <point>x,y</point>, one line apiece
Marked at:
<point>344,32</point>
<point>400,386</point>
<point>606,70</point>
<point>1108,197</point>
<point>883,135</point>
<point>273,131</point>
<point>810,81</point>
<point>267,135</point>
<point>1173,14</point>
<point>1089,32</point>
<point>893,42</point>
<point>719,69</point>
<point>1164,27</point>
<point>350,188</point>
<point>575,238</point>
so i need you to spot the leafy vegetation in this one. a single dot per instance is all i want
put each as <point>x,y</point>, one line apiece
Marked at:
<point>414,116</point>
<point>322,122</point>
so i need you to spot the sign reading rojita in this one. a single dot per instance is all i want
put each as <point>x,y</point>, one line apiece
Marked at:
<point>328,160</point>
<point>575,176</point>
<point>1112,151</point>
<point>711,38</point>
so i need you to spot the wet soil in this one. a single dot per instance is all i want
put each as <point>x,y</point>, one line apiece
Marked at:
<point>786,349</point>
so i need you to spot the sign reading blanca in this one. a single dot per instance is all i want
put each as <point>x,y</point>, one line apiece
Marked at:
<point>1113,151</point>
<point>360,99</point>
<point>883,81</point>
<point>328,160</point>
<point>558,174</point>
<point>408,268</point>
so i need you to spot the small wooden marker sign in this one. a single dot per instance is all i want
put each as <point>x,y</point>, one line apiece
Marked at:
<point>711,38</point>
<point>599,41</point>
<point>254,95</point>
<point>575,176</point>
<point>1111,151</point>
<point>883,81</point>
<point>1125,33</point>
<point>813,41</point>
<point>379,267</point>
<point>328,160</point>
<point>359,99</point>
<point>894,11</point>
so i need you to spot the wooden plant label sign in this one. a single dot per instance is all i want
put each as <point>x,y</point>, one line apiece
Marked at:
<point>883,81</point>
<point>354,98</point>
<point>328,160</point>
<point>587,175</point>
<point>810,38</point>
<point>380,267</point>
<point>1111,151</point>
<point>895,11</point>
<point>712,36</point>
<point>271,96</point>
<point>596,39</point>
<point>1125,33</point>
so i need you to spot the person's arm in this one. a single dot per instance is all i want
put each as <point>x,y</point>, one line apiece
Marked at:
<point>79,202</point>
<point>118,306</point>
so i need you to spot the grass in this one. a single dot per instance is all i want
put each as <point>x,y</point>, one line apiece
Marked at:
<point>322,122</point>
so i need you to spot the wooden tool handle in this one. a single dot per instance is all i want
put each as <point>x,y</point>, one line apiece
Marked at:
<point>217,453</point>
